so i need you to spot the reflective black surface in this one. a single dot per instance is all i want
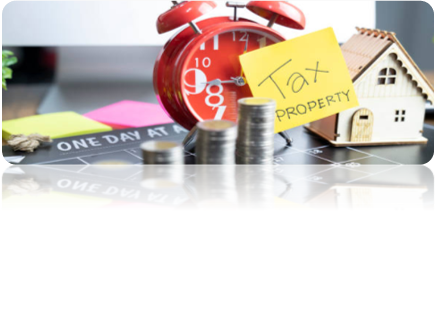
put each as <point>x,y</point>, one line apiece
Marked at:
<point>309,173</point>
<point>321,186</point>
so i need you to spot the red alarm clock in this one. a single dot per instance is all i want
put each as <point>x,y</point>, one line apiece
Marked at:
<point>197,75</point>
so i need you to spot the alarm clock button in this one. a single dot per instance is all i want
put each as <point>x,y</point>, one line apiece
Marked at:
<point>279,12</point>
<point>183,13</point>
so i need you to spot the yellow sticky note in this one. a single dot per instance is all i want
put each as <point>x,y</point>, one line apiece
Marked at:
<point>55,125</point>
<point>307,76</point>
<point>54,201</point>
<point>285,205</point>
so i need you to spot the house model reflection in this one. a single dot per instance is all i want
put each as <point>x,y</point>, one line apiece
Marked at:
<point>364,197</point>
<point>392,93</point>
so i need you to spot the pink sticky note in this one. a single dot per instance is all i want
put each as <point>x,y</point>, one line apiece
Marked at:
<point>130,114</point>
<point>126,206</point>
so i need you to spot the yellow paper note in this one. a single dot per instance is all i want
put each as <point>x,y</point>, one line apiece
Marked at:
<point>55,125</point>
<point>307,76</point>
<point>285,205</point>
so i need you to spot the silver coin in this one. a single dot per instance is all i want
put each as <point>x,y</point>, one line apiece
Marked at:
<point>162,152</point>
<point>164,165</point>
<point>216,140</point>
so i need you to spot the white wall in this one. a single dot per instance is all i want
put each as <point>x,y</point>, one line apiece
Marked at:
<point>93,23</point>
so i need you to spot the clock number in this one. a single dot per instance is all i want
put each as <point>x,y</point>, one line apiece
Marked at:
<point>216,45</point>
<point>262,42</point>
<point>220,113</point>
<point>214,95</point>
<point>244,37</point>
<point>199,79</point>
<point>206,62</point>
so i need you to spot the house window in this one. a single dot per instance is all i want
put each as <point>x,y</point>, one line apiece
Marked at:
<point>387,76</point>
<point>400,115</point>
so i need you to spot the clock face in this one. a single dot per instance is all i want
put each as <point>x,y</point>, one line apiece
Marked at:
<point>213,81</point>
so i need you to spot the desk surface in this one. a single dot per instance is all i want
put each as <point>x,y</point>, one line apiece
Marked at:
<point>364,188</point>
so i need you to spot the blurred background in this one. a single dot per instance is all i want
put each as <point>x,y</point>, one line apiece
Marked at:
<point>84,55</point>
<point>413,22</point>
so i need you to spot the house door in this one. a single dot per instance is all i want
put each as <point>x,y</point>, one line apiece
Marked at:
<point>361,130</point>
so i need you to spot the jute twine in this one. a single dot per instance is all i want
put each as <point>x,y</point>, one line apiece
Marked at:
<point>29,143</point>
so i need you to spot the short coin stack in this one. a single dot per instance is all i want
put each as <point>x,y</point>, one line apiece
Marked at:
<point>215,168</point>
<point>164,165</point>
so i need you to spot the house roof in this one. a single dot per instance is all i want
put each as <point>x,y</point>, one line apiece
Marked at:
<point>364,48</point>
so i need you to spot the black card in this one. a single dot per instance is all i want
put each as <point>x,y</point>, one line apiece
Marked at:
<point>112,147</point>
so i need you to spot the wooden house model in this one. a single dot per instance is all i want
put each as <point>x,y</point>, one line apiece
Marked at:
<point>391,90</point>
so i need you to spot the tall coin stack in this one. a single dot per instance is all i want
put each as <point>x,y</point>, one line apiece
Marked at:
<point>255,142</point>
<point>215,172</point>
<point>164,165</point>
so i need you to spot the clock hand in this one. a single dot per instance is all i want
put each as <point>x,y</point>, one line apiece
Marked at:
<point>239,81</point>
<point>246,44</point>
<point>219,82</point>
<point>245,51</point>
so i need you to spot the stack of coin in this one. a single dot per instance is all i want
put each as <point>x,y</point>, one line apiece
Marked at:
<point>255,142</point>
<point>164,165</point>
<point>215,168</point>
<point>255,153</point>
<point>216,142</point>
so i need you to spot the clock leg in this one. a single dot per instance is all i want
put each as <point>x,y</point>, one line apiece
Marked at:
<point>285,136</point>
<point>189,141</point>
